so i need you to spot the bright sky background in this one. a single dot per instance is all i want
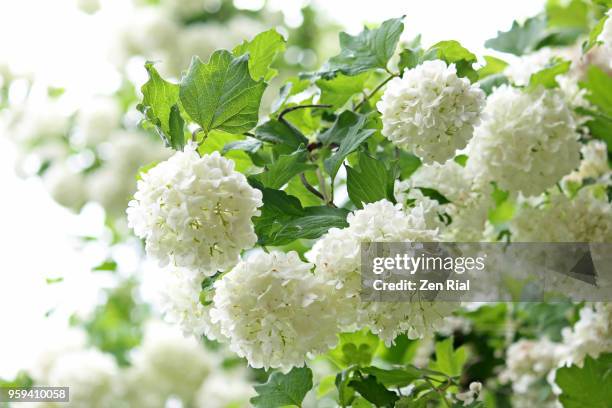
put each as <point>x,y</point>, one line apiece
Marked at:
<point>66,48</point>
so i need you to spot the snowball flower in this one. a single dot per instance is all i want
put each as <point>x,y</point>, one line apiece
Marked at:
<point>527,142</point>
<point>123,155</point>
<point>67,187</point>
<point>274,311</point>
<point>594,163</point>
<point>195,211</point>
<point>587,217</point>
<point>338,260</point>
<point>225,390</point>
<point>467,212</point>
<point>97,120</point>
<point>166,365</point>
<point>91,376</point>
<point>591,335</point>
<point>180,302</point>
<point>431,111</point>
<point>528,361</point>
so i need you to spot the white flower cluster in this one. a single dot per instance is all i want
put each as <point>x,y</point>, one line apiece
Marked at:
<point>274,311</point>
<point>587,217</point>
<point>590,336</point>
<point>166,365</point>
<point>225,391</point>
<point>431,111</point>
<point>464,218</point>
<point>337,259</point>
<point>161,34</point>
<point>180,302</point>
<point>528,361</point>
<point>96,120</point>
<point>527,142</point>
<point>472,394</point>
<point>195,212</point>
<point>594,164</point>
<point>91,375</point>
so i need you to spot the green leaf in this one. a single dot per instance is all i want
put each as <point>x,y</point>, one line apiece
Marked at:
<point>276,132</point>
<point>600,125</point>
<point>248,145</point>
<point>587,386</point>
<point>297,189</point>
<point>368,50</point>
<point>409,59</point>
<point>350,134</point>
<point>449,361</point>
<point>284,389</point>
<point>356,348</point>
<point>547,76</point>
<point>373,391</point>
<point>395,377</point>
<point>371,183</point>
<point>338,90</point>
<point>491,82</point>
<point>520,39</point>
<point>346,394</point>
<point>434,195</point>
<point>176,128</point>
<point>51,281</point>
<point>217,140</point>
<point>408,163</point>
<point>283,219</point>
<point>599,87</point>
<point>572,14</point>
<point>159,98</point>
<point>461,159</point>
<point>454,53</point>
<point>593,39</point>
<point>262,50</point>
<point>493,66</point>
<point>108,265</point>
<point>144,169</point>
<point>221,94</point>
<point>284,169</point>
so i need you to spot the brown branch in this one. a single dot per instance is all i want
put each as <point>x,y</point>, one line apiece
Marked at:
<point>310,187</point>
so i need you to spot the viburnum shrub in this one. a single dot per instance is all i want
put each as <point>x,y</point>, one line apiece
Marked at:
<point>258,217</point>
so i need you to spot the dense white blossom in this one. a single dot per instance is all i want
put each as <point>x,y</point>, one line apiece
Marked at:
<point>66,186</point>
<point>527,142</point>
<point>587,217</point>
<point>528,361</point>
<point>274,311</point>
<point>180,301</point>
<point>91,375</point>
<point>167,364</point>
<point>464,218</point>
<point>225,390</point>
<point>97,120</point>
<point>114,182</point>
<point>594,164</point>
<point>195,212</point>
<point>338,260</point>
<point>431,111</point>
<point>590,336</point>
